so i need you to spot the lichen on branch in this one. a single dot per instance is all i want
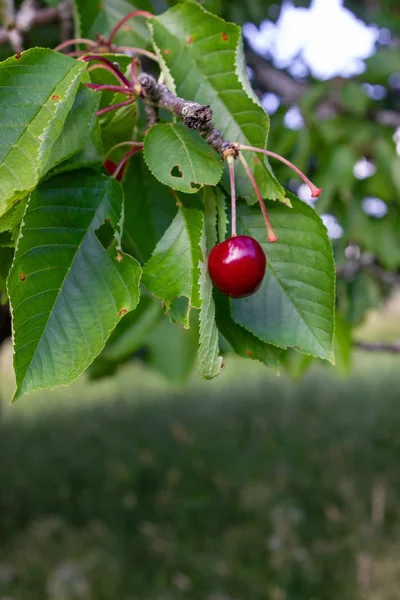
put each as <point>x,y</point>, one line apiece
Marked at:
<point>195,116</point>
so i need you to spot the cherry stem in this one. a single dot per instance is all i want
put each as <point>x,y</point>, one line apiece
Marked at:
<point>125,159</point>
<point>75,41</point>
<point>97,87</point>
<point>137,51</point>
<point>115,106</point>
<point>231,165</point>
<point>272,237</point>
<point>131,15</point>
<point>315,192</point>
<point>110,67</point>
<point>127,143</point>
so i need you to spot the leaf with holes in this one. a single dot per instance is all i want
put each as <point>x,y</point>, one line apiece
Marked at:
<point>210,361</point>
<point>67,291</point>
<point>180,158</point>
<point>203,55</point>
<point>295,305</point>
<point>173,270</point>
<point>38,90</point>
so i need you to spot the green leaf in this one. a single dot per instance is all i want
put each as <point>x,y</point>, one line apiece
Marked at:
<point>38,91</point>
<point>180,158</point>
<point>131,333</point>
<point>222,217</point>
<point>11,220</point>
<point>92,17</point>
<point>91,155</point>
<point>311,97</point>
<point>53,3</point>
<point>172,350</point>
<point>295,305</point>
<point>383,64</point>
<point>149,209</point>
<point>210,362</point>
<point>213,6</point>
<point>354,98</point>
<point>378,236</point>
<point>202,54</point>
<point>210,199</point>
<point>77,127</point>
<point>67,291</point>
<point>128,337</point>
<point>119,127</point>
<point>243,342</point>
<point>343,344</point>
<point>294,363</point>
<point>173,270</point>
<point>6,240</point>
<point>388,167</point>
<point>336,176</point>
<point>358,296</point>
<point>6,257</point>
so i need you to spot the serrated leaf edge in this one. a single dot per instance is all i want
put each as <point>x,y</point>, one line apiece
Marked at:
<point>279,187</point>
<point>18,393</point>
<point>40,166</point>
<point>175,187</point>
<point>168,79</point>
<point>331,357</point>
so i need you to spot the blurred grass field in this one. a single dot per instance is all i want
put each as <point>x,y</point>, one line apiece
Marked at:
<point>248,487</point>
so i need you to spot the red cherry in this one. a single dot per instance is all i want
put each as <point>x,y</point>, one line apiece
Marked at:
<point>110,167</point>
<point>237,266</point>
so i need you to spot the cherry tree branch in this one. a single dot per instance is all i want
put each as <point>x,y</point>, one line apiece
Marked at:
<point>194,115</point>
<point>391,347</point>
<point>28,17</point>
<point>367,263</point>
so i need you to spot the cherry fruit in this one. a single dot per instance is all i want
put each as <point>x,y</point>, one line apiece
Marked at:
<point>237,266</point>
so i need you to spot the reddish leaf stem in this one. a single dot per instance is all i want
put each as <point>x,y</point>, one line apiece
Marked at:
<point>128,143</point>
<point>315,192</point>
<point>272,237</point>
<point>108,88</point>
<point>110,67</point>
<point>231,165</point>
<point>77,53</point>
<point>75,41</point>
<point>115,106</point>
<point>100,66</point>
<point>131,15</point>
<point>137,51</point>
<point>125,159</point>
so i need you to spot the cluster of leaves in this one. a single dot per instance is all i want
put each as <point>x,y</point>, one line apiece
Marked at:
<point>88,264</point>
<point>359,128</point>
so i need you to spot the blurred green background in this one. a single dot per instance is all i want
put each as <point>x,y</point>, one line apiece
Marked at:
<point>248,487</point>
